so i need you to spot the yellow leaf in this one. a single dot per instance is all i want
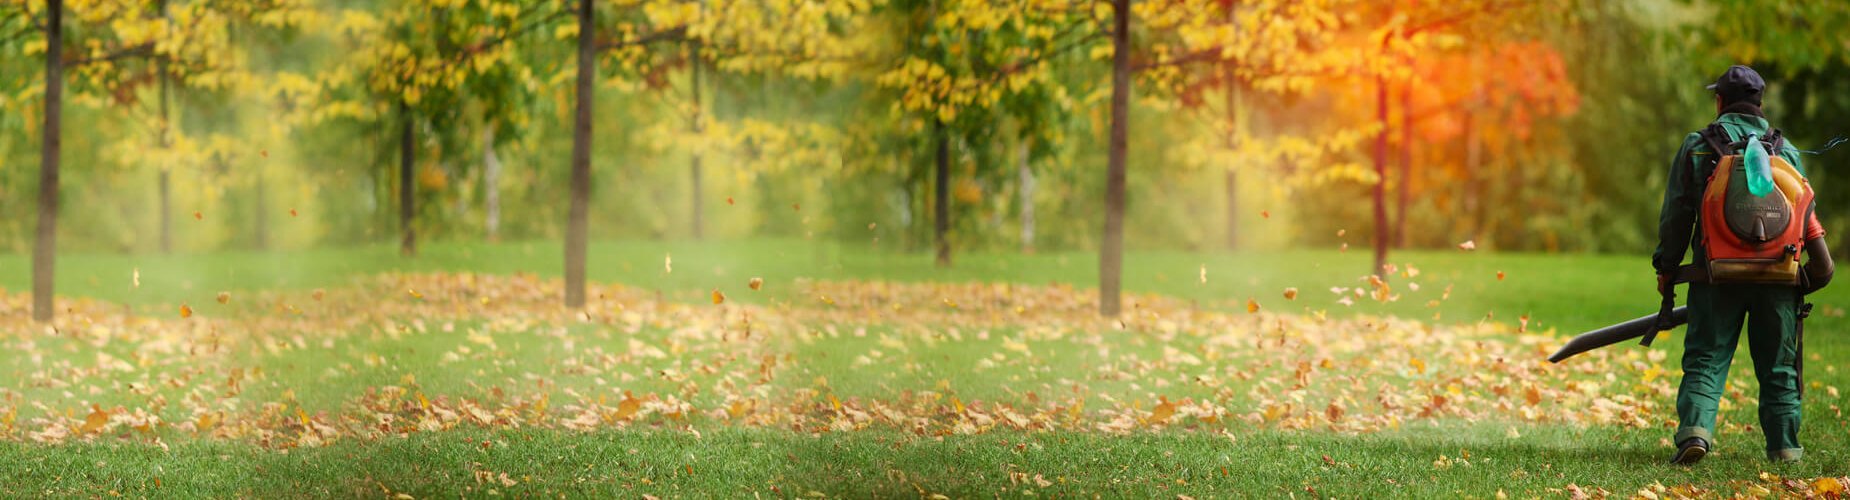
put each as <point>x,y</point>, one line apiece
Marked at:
<point>756,283</point>
<point>1828,486</point>
<point>224,297</point>
<point>186,311</point>
<point>718,297</point>
<point>95,421</point>
<point>1252,306</point>
<point>1162,411</point>
<point>1418,365</point>
<point>628,406</point>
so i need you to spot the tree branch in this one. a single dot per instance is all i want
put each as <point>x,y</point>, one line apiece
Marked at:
<point>141,50</point>
<point>673,34</point>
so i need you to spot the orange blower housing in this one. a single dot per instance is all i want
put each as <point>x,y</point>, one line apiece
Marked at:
<point>1754,239</point>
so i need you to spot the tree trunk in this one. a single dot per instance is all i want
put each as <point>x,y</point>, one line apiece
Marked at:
<point>1027,197</point>
<point>407,182</point>
<point>1406,159</point>
<point>694,172</point>
<point>1474,215</point>
<point>576,227</point>
<point>491,180</point>
<point>165,183</point>
<point>941,205</point>
<point>1111,247</point>
<point>1381,222</point>
<point>1233,186</point>
<point>45,245</point>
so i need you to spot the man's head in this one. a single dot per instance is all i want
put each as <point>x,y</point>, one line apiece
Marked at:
<point>1737,85</point>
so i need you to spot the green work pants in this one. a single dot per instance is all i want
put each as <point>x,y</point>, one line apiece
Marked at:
<point>1716,313</point>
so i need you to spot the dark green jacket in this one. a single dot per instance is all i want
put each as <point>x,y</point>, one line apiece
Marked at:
<point>1689,175</point>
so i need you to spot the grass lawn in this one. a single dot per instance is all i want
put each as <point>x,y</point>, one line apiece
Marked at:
<point>830,383</point>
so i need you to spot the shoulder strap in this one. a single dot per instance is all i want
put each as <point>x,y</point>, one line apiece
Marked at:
<point>1717,139</point>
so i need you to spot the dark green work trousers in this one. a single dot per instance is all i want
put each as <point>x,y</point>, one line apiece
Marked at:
<point>1716,314</point>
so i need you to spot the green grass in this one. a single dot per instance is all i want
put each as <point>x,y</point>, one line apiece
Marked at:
<point>1569,293</point>
<point>873,464</point>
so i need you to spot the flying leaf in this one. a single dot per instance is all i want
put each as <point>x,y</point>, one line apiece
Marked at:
<point>1291,293</point>
<point>292,212</point>
<point>1265,213</point>
<point>668,263</point>
<point>1204,274</point>
<point>197,215</point>
<point>1499,275</point>
<point>718,297</point>
<point>1468,245</point>
<point>756,283</point>
<point>728,201</point>
<point>137,277</point>
<point>224,297</point>
<point>318,294</point>
<point>186,311</point>
<point>1252,306</point>
<point>1418,365</point>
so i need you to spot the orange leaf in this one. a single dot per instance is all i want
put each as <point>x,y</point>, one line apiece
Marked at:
<point>718,297</point>
<point>1291,293</point>
<point>224,297</point>
<point>1499,275</point>
<point>1418,365</point>
<point>1252,306</point>
<point>186,311</point>
<point>756,283</point>
<point>1162,411</point>
<point>1468,245</point>
<point>95,421</point>
<point>196,215</point>
<point>629,406</point>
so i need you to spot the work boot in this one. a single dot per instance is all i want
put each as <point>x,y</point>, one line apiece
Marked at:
<point>1691,451</point>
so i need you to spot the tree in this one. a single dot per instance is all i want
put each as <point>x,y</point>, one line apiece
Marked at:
<point>132,36</point>
<point>44,251</point>
<point>577,226</point>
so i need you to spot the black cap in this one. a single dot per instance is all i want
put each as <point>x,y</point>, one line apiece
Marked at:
<point>1739,83</point>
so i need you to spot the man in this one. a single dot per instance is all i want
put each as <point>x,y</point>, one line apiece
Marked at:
<point>1716,311</point>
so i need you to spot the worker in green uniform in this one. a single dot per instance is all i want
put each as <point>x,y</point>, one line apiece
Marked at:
<point>1771,312</point>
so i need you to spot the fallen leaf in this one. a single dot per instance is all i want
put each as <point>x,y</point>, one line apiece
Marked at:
<point>318,294</point>
<point>95,421</point>
<point>1418,365</point>
<point>1162,411</point>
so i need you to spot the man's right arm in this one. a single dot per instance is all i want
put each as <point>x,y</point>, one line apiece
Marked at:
<point>1678,218</point>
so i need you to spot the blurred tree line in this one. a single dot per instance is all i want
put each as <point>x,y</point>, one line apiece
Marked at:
<point>1515,127</point>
